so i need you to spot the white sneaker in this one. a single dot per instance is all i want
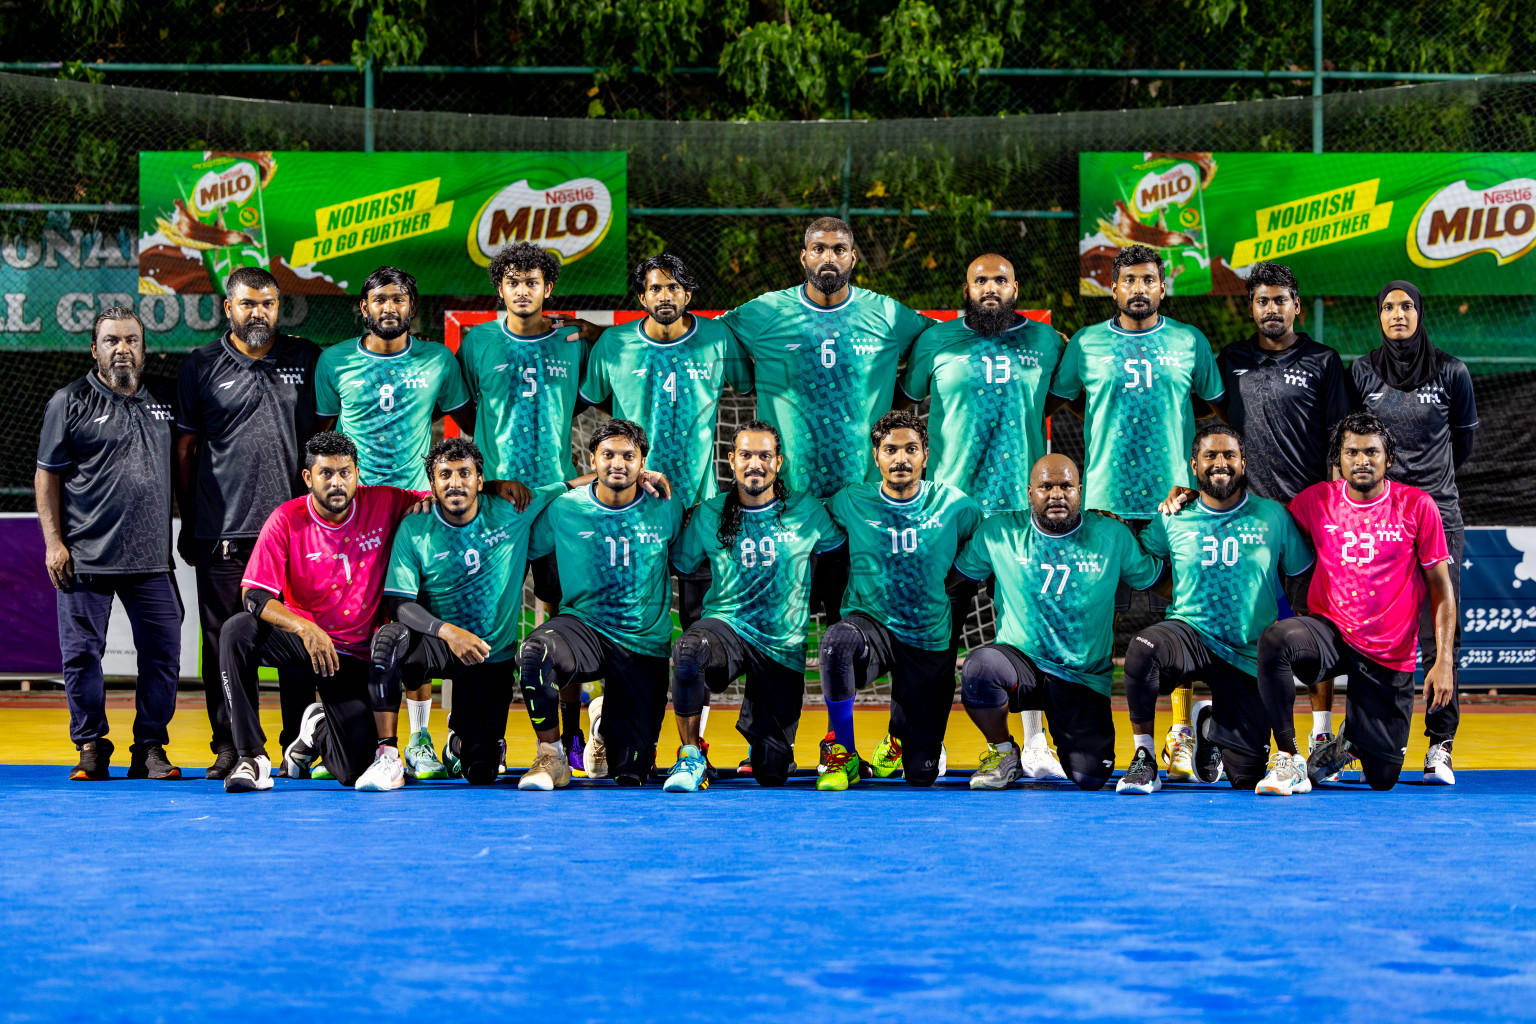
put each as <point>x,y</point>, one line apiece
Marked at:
<point>1179,754</point>
<point>387,772</point>
<point>550,769</point>
<point>299,757</point>
<point>1437,766</point>
<point>595,757</point>
<point>943,760</point>
<point>1287,774</point>
<point>249,775</point>
<point>1038,761</point>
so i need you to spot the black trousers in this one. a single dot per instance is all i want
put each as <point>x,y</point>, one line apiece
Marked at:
<point>154,609</point>
<point>1170,653</point>
<point>349,739</point>
<point>829,579</point>
<point>922,686</point>
<point>770,706</point>
<point>1441,725</point>
<point>482,695</point>
<point>219,569</point>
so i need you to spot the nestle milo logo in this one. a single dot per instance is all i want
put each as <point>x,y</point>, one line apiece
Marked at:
<point>1459,221</point>
<point>1157,189</point>
<point>570,218</point>
<point>234,184</point>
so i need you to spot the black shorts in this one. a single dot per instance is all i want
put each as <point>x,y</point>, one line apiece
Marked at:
<point>1079,717</point>
<point>1123,590</point>
<point>1378,701</point>
<point>1238,718</point>
<point>774,693</point>
<point>546,579</point>
<point>922,686</point>
<point>634,690</point>
<point>481,694</point>
<point>1295,588</point>
<point>691,590</point>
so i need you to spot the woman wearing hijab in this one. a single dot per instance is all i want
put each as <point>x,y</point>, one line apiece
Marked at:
<point>1424,396</point>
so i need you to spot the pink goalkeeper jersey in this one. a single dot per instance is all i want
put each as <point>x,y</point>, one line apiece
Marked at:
<point>1368,580</point>
<point>331,575</point>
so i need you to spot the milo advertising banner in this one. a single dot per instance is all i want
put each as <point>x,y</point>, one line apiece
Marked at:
<point>1346,223</point>
<point>321,222</point>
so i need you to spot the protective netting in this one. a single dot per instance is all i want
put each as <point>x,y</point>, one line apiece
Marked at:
<point>924,197</point>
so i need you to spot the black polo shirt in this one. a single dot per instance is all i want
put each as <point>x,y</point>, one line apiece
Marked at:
<point>252,417</point>
<point>1284,404</point>
<point>114,455</point>
<point>1421,422</point>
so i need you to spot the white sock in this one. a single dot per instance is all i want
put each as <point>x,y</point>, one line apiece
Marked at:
<point>420,713</point>
<point>703,719</point>
<point>1322,722</point>
<point>1034,725</point>
<point>1144,739</point>
<point>387,750</point>
<point>1006,746</point>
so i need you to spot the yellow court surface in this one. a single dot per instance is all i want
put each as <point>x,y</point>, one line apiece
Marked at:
<point>1495,736</point>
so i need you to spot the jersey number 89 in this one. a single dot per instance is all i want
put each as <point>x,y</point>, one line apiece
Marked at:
<point>751,550</point>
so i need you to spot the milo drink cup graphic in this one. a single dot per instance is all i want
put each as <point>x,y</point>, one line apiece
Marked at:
<point>221,214</point>
<point>1160,202</point>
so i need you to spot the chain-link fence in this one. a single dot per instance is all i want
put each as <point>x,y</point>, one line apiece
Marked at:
<point>924,197</point>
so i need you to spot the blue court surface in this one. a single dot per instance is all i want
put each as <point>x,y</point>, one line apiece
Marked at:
<point>143,901</point>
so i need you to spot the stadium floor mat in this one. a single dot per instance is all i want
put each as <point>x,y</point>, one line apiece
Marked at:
<point>143,901</point>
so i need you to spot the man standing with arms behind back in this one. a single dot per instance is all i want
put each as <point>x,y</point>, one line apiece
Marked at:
<point>245,407</point>
<point>103,486</point>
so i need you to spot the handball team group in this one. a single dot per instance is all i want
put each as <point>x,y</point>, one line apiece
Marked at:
<point>1311,532</point>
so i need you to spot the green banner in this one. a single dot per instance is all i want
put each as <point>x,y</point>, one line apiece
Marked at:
<point>1346,223</point>
<point>321,222</point>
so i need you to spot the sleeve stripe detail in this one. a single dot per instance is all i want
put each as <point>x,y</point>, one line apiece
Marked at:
<point>1163,571</point>
<point>834,547</point>
<point>186,429</point>
<point>399,593</point>
<point>905,393</point>
<point>461,405</point>
<point>54,465</point>
<point>248,582</point>
<point>962,572</point>
<point>1298,572</point>
<point>584,397</point>
<point>1470,426</point>
<point>1058,394</point>
<point>1435,561</point>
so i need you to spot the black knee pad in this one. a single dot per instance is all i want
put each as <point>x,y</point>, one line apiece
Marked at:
<point>1244,770</point>
<point>919,768</point>
<point>481,773</point>
<point>691,655</point>
<point>1087,783</point>
<point>1380,775</point>
<point>390,642</point>
<point>984,679</point>
<point>842,645</point>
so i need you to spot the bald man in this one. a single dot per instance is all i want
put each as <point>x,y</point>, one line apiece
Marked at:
<point>1057,571</point>
<point>988,375</point>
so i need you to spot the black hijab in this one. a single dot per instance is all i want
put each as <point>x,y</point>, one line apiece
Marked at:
<point>1409,363</point>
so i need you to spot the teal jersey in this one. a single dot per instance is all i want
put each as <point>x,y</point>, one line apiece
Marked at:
<point>900,552</point>
<point>469,575</point>
<point>1057,591</point>
<point>986,422</point>
<point>525,397</point>
<point>613,564</point>
<point>386,404</point>
<point>1140,421</point>
<point>824,376</point>
<point>761,584</point>
<point>671,389</point>
<point>1225,570</point>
